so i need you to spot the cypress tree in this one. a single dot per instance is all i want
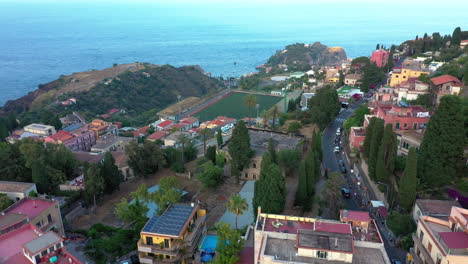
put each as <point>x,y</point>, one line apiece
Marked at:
<point>39,177</point>
<point>377,47</point>
<point>381,173</point>
<point>219,138</point>
<point>301,194</point>
<point>440,160</point>
<point>272,151</point>
<point>110,173</point>
<point>311,169</point>
<point>270,190</point>
<point>377,133</point>
<point>3,130</point>
<point>456,37</point>
<point>389,144</point>
<point>407,184</point>
<point>317,145</point>
<point>239,149</point>
<point>368,139</point>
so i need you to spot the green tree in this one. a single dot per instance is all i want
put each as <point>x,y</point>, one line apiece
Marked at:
<point>167,194</point>
<point>440,159</point>
<point>311,163</point>
<point>272,151</point>
<point>250,101</point>
<point>302,196</point>
<point>5,202</point>
<point>55,121</point>
<point>377,133</point>
<point>389,145</point>
<point>274,112</point>
<point>456,37</point>
<point>3,130</point>
<point>219,138</point>
<point>291,105</point>
<point>400,224</point>
<point>210,154</point>
<point>317,145</point>
<point>94,182</point>
<point>324,106</point>
<point>132,212</point>
<point>12,122</point>
<point>145,159</point>
<point>408,182</point>
<point>229,244</point>
<point>13,163</point>
<point>369,132</point>
<point>381,174</point>
<point>239,149</point>
<point>331,194</point>
<point>211,175</point>
<point>288,160</point>
<point>237,205</point>
<point>205,133</point>
<point>270,189</point>
<point>377,47</point>
<point>294,127</point>
<point>110,173</point>
<point>220,159</point>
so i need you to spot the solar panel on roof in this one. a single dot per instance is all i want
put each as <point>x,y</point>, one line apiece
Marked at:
<point>171,221</point>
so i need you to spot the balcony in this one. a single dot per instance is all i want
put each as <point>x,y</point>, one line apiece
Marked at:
<point>155,259</point>
<point>196,227</point>
<point>156,249</point>
<point>424,254</point>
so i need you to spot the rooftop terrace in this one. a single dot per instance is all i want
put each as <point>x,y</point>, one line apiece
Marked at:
<point>30,207</point>
<point>11,244</point>
<point>325,241</point>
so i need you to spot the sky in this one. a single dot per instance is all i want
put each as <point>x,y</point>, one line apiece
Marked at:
<point>463,3</point>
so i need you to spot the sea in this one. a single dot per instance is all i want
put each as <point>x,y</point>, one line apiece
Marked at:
<point>41,40</point>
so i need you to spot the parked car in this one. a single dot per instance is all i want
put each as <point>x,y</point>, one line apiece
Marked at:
<point>342,166</point>
<point>336,149</point>
<point>345,192</point>
<point>396,261</point>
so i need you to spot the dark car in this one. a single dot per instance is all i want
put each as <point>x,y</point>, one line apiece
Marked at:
<point>345,192</point>
<point>342,166</point>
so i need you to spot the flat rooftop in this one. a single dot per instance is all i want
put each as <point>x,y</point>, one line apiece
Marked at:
<point>436,207</point>
<point>11,244</point>
<point>325,240</point>
<point>19,187</point>
<point>43,242</point>
<point>259,140</point>
<point>11,219</point>
<point>30,207</point>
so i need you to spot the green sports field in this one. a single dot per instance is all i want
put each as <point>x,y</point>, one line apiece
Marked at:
<point>233,106</point>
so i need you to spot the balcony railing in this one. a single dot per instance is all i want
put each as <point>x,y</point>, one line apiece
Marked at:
<point>156,249</point>
<point>156,259</point>
<point>423,251</point>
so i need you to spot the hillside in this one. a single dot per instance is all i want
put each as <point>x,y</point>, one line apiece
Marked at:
<point>301,56</point>
<point>135,87</point>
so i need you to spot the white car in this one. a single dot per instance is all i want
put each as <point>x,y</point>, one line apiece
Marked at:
<point>336,149</point>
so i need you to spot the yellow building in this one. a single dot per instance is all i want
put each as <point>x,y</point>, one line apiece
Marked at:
<point>400,75</point>
<point>172,237</point>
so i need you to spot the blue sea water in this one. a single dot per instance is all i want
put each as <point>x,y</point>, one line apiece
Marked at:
<point>40,41</point>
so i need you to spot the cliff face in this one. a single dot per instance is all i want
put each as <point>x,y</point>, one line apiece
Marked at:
<point>135,87</point>
<point>302,56</point>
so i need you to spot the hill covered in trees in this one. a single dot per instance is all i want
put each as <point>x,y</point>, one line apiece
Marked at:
<point>301,56</point>
<point>138,88</point>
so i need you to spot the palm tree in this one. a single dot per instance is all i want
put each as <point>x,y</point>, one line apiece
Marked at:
<point>265,115</point>
<point>205,133</point>
<point>250,101</point>
<point>237,205</point>
<point>274,112</point>
<point>183,140</point>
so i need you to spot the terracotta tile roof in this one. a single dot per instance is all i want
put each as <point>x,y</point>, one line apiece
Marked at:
<point>165,123</point>
<point>10,186</point>
<point>61,136</point>
<point>113,111</point>
<point>355,216</point>
<point>445,79</point>
<point>157,135</point>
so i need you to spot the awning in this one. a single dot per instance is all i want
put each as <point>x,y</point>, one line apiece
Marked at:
<point>377,204</point>
<point>383,212</point>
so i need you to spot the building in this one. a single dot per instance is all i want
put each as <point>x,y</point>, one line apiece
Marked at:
<point>26,244</point>
<point>347,92</point>
<point>141,132</point>
<point>277,92</point>
<point>111,143</point>
<point>401,74</point>
<point>164,124</point>
<point>175,111</point>
<point>296,75</point>
<point>352,79</point>
<point>404,117</point>
<point>305,97</point>
<point>410,90</point>
<point>40,129</point>
<point>408,139</point>
<point>172,237</point>
<point>380,57</point>
<point>384,95</point>
<point>191,121</point>
<point>76,137</point>
<point>357,135</point>
<point>158,135</point>
<point>259,143</point>
<point>17,190</point>
<point>100,127</point>
<point>173,139</point>
<point>89,157</point>
<point>43,213</point>
<point>438,241</point>
<point>463,43</point>
<point>434,208</point>
<point>218,122</point>
<point>446,85</point>
<point>121,161</point>
<point>282,239</point>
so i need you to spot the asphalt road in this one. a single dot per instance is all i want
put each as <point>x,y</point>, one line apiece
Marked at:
<point>330,161</point>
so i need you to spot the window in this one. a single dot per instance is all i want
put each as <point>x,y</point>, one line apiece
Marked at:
<point>415,125</point>
<point>149,241</point>
<point>405,125</point>
<point>49,218</point>
<point>246,175</point>
<point>254,165</point>
<point>453,227</point>
<point>429,247</point>
<point>166,243</point>
<point>404,77</point>
<point>43,253</point>
<point>439,260</point>
<point>421,235</point>
<point>254,176</point>
<point>51,249</point>
<point>397,126</point>
<point>322,254</point>
<point>405,145</point>
<point>38,258</point>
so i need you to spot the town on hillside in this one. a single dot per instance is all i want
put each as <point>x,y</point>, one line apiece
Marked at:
<point>313,158</point>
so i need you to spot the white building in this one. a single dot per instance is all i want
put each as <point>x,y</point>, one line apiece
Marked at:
<point>17,190</point>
